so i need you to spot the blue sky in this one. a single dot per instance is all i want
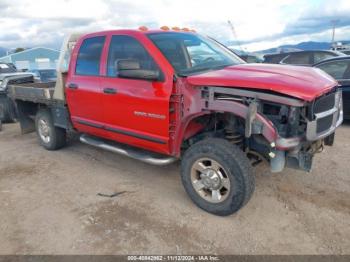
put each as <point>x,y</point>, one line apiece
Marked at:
<point>258,24</point>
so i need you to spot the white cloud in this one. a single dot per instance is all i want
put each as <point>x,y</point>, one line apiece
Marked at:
<point>266,23</point>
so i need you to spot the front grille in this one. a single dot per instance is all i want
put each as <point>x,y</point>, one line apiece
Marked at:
<point>324,103</point>
<point>325,116</point>
<point>324,123</point>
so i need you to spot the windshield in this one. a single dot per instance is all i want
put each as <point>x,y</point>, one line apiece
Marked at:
<point>7,68</point>
<point>190,53</point>
<point>48,73</point>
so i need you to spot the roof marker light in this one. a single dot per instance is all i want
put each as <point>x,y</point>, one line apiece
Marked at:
<point>175,28</point>
<point>186,29</point>
<point>164,27</point>
<point>143,28</point>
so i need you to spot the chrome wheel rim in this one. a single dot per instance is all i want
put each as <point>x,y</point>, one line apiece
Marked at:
<point>210,180</point>
<point>44,131</point>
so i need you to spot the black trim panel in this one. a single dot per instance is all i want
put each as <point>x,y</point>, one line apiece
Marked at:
<point>87,123</point>
<point>122,132</point>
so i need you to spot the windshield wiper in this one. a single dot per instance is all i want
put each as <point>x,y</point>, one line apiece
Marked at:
<point>203,69</point>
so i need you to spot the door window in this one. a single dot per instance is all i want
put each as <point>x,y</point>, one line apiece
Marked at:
<point>337,69</point>
<point>88,61</point>
<point>319,56</point>
<point>297,59</point>
<point>125,47</point>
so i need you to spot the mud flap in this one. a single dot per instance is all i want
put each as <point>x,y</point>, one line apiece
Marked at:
<point>27,123</point>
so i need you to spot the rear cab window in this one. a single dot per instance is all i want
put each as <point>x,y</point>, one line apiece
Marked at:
<point>297,59</point>
<point>89,55</point>
<point>5,68</point>
<point>319,56</point>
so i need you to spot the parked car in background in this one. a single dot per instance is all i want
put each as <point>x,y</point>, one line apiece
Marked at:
<point>301,58</point>
<point>250,58</point>
<point>347,52</point>
<point>44,75</point>
<point>9,75</point>
<point>339,68</point>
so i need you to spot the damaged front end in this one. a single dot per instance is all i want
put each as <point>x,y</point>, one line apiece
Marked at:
<point>285,131</point>
<point>314,126</point>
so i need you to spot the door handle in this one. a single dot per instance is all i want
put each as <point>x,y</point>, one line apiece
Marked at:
<point>73,86</point>
<point>109,90</point>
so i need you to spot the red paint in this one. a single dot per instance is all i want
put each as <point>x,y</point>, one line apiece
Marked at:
<point>179,102</point>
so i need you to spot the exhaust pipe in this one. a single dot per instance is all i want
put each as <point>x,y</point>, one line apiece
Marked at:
<point>147,157</point>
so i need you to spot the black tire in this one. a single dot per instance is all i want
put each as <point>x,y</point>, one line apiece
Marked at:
<point>237,167</point>
<point>8,110</point>
<point>0,125</point>
<point>57,136</point>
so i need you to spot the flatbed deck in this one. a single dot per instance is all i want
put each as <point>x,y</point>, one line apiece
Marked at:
<point>33,92</point>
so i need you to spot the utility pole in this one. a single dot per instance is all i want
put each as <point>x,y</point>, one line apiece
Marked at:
<point>333,22</point>
<point>234,34</point>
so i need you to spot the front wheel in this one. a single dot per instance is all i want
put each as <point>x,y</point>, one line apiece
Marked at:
<point>50,136</point>
<point>217,176</point>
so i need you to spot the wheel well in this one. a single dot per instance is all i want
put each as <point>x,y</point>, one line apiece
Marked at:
<point>226,126</point>
<point>212,125</point>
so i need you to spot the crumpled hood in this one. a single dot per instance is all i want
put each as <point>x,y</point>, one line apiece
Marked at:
<point>305,83</point>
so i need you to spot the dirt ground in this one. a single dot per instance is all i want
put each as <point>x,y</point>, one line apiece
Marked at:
<point>49,205</point>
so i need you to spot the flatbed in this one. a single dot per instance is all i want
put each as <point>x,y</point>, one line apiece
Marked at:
<point>33,92</point>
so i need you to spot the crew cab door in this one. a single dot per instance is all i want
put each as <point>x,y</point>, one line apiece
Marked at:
<point>136,111</point>
<point>83,90</point>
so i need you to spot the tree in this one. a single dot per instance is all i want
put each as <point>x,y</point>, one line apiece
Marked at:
<point>19,49</point>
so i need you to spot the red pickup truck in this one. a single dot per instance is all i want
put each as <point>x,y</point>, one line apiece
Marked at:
<point>163,95</point>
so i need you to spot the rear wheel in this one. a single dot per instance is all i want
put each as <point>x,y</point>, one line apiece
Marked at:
<point>217,176</point>
<point>50,136</point>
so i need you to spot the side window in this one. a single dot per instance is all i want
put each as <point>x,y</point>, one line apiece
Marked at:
<point>337,69</point>
<point>297,59</point>
<point>319,56</point>
<point>88,61</point>
<point>346,74</point>
<point>126,47</point>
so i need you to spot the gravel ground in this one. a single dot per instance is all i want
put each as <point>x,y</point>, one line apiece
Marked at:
<point>49,205</point>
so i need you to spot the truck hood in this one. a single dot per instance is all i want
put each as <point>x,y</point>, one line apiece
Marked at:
<point>305,83</point>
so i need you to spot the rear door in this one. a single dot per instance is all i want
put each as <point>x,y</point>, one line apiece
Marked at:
<point>83,90</point>
<point>135,111</point>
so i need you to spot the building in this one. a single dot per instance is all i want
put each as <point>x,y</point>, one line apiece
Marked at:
<point>34,58</point>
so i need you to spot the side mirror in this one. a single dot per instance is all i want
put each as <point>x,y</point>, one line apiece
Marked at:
<point>130,68</point>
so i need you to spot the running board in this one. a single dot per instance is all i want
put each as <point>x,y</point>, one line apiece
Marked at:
<point>135,153</point>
